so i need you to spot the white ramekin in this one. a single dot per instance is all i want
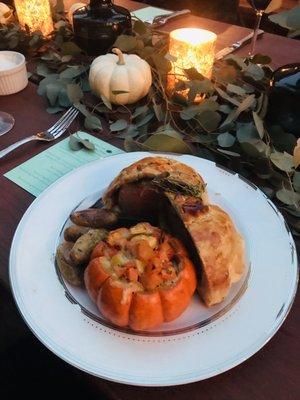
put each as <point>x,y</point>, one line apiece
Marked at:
<point>13,79</point>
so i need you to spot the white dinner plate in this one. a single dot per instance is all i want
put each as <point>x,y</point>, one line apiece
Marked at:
<point>202,343</point>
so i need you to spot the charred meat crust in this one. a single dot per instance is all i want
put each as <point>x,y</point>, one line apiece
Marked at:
<point>150,203</point>
<point>176,226</point>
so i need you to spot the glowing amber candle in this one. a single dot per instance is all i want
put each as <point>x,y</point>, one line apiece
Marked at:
<point>192,48</point>
<point>36,14</point>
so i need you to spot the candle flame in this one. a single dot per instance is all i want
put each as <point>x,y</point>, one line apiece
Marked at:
<point>193,36</point>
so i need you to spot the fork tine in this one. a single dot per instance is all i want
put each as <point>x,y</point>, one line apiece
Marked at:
<point>62,119</point>
<point>59,131</point>
<point>62,122</point>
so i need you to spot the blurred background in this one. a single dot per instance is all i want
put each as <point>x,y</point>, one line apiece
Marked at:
<point>237,12</point>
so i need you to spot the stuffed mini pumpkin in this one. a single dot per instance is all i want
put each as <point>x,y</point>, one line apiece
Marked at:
<point>140,277</point>
<point>121,78</point>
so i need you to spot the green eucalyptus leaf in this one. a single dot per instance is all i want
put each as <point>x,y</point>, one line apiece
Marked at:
<point>288,197</point>
<point>70,48</point>
<point>236,89</point>
<point>106,102</point>
<point>42,89</point>
<point>161,63</point>
<point>139,111</point>
<point>43,70</point>
<point>283,161</point>
<point>144,120</point>
<point>75,93</point>
<point>261,59</point>
<point>236,60</point>
<point>227,73</point>
<point>130,132</point>
<point>204,138</point>
<point>133,145</point>
<point>227,97</point>
<point>140,27</point>
<point>85,85</point>
<point>126,43</point>
<point>179,99</point>
<point>119,125</point>
<point>87,144</point>
<point>229,153</point>
<point>193,74</point>
<point>293,211</point>
<point>209,120</point>
<point>226,139</point>
<point>243,106</point>
<point>254,71</point>
<point>225,109</point>
<point>63,98</point>
<point>82,108</point>
<point>162,142</point>
<point>73,72</point>
<point>52,92</point>
<point>246,131</point>
<point>158,111</point>
<point>264,106</point>
<point>167,130</point>
<point>282,141</point>
<point>75,143</point>
<point>92,122</point>
<point>201,87</point>
<point>259,124</point>
<point>255,148</point>
<point>191,111</point>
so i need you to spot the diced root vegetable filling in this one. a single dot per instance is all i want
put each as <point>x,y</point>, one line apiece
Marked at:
<point>143,258</point>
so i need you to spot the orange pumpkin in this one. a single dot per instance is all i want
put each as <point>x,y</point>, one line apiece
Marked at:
<point>140,277</point>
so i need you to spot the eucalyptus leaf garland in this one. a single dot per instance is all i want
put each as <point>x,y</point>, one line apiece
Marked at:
<point>228,126</point>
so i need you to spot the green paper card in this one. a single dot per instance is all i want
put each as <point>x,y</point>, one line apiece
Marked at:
<point>148,13</point>
<point>36,174</point>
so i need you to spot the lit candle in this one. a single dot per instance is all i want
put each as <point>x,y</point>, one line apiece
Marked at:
<point>36,14</point>
<point>192,48</point>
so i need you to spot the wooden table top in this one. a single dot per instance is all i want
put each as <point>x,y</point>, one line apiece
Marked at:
<point>273,373</point>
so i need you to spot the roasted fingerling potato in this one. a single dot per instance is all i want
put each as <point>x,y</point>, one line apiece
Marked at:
<point>72,233</point>
<point>94,218</point>
<point>84,245</point>
<point>70,272</point>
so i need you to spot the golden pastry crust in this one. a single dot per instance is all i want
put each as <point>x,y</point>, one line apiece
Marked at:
<point>219,245</point>
<point>150,168</point>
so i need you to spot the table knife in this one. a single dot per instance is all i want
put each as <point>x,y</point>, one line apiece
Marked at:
<point>237,45</point>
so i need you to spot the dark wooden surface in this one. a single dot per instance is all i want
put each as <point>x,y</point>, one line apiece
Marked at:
<point>273,373</point>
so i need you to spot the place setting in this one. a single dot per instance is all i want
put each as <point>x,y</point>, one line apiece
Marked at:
<point>159,246</point>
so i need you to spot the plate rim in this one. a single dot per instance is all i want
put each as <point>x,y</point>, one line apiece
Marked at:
<point>141,381</point>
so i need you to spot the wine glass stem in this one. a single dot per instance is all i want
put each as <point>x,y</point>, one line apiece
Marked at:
<point>259,14</point>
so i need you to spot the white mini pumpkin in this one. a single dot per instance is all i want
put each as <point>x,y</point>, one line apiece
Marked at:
<point>121,78</point>
<point>5,13</point>
<point>74,7</point>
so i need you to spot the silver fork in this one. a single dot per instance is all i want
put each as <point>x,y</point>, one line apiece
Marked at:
<point>161,20</point>
<point>49,135</point>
